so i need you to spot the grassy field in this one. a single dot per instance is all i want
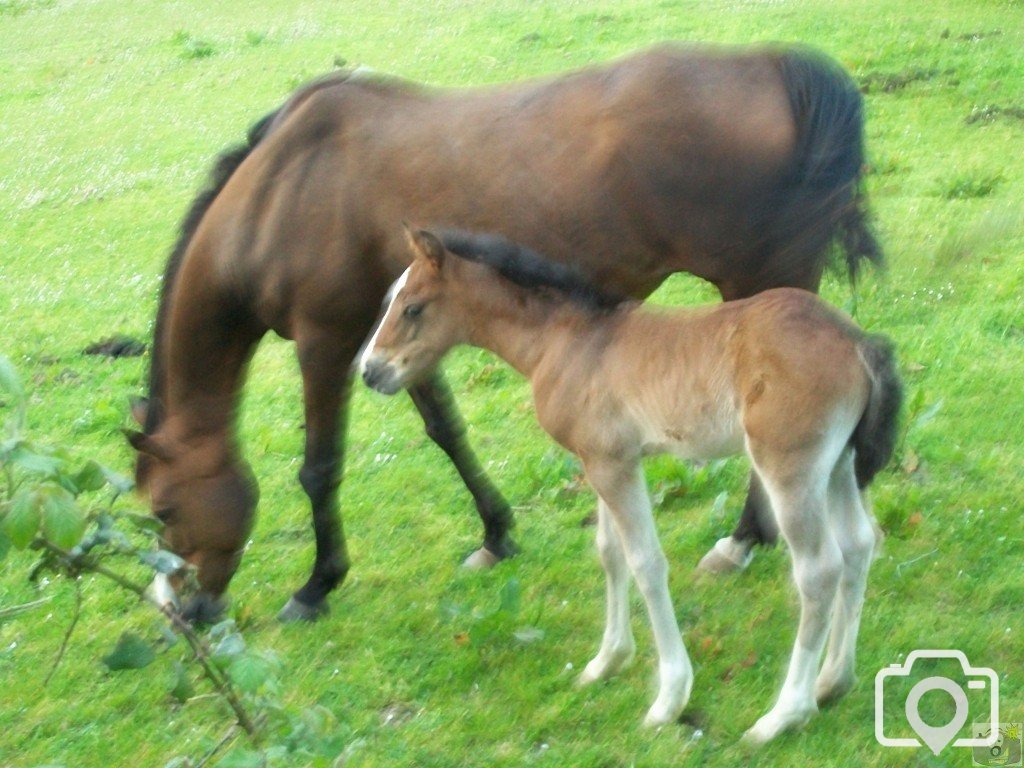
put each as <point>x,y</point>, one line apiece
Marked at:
<point>111,115</point>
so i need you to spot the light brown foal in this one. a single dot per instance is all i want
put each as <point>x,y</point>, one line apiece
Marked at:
<point>811,398</point>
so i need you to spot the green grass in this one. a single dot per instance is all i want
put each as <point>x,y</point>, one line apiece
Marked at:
<point>112,114</point>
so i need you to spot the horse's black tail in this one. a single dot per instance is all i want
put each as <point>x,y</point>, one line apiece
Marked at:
<point>825,185</point>
<point>223,169</point>
<point>874,438</point>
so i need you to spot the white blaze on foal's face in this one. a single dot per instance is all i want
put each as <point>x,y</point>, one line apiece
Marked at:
<point>418,326</point>
<point>375,355</point>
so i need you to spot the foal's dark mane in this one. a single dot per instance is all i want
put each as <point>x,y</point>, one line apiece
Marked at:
<point>528,269</point>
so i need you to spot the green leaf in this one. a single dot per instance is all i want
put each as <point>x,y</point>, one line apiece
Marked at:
<point>131,652</point>
<point>528,634</point>
<point>510,597</point>
<point>240,757</point>
<point>10,383</point>
<point>22,519</point>
<point>63,522</point>
<point>162,561</point>
<point>146,523</point>
<point>5,545</point>
<point>90,477</point>
<point>33,462</point>
<point>229,647</point>
<point>249,673</point>
<point>119,483</point>
<point>182,689</point>
<point>926,416</point>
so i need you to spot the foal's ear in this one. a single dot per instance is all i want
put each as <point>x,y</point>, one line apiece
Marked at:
<point>425,245</point>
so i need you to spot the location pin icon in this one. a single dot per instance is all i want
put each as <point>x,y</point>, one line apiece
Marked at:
<point>937,739</point>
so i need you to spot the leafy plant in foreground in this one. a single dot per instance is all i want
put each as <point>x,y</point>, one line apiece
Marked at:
<point>49,504</point>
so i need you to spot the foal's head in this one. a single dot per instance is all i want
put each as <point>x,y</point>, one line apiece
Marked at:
<point>206,499</point>
<point>421,321</point>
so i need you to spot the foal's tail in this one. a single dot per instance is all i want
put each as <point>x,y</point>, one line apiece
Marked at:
<point>874,438</point>
<point>826,180</point>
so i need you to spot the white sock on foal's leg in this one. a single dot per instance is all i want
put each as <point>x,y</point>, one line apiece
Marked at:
<point>622,487</point>
<point>817,566</point>
<point>855,533</point>
<point>617,646</point>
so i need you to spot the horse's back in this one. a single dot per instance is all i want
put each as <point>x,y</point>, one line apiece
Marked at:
<point>663,161</point>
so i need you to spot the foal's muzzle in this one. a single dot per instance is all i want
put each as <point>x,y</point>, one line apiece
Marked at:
<point>381,376</point>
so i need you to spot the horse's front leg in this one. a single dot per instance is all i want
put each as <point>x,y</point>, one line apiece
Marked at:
<point>434,401</point>
<point>324,361</point>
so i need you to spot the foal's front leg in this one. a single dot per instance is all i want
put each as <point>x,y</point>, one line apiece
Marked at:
<point>621,486</point>
<point>617,646</point>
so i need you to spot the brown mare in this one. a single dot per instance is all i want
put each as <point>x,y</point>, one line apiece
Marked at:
<point>810,398</point>
<point>739,166</point>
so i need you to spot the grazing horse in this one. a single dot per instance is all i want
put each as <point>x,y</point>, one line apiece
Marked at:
<point>739,166</point>
<point>810,398</point>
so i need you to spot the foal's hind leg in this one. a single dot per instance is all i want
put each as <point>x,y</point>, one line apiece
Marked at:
<point>856,537</point>
<point>444,426</point>
<point>799,504</point>
<point>617,646</point>
<point>621,486</point>
<point>325,360</point>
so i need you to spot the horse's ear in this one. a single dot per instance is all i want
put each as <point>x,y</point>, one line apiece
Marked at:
<point>426,245</point>
<point>147,444</point>
<point>139,409</point>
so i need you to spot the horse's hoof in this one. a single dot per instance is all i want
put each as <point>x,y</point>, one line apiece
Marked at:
<point>296,611</point>
<point>204,609</point>
<point>481,560</point>
<point>727,556</point>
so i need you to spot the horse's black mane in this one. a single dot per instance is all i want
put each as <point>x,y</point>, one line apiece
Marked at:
<point>527,268</point>
<point>225,166</point>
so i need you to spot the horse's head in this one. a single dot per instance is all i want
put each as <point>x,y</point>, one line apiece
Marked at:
<point>419,325</point>
<point>206,499</point>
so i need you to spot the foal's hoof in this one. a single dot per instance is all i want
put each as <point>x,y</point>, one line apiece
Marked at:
<point>829,689</point>
<point>773,724</point>
<point>296,611</point>
<point>727,556</point>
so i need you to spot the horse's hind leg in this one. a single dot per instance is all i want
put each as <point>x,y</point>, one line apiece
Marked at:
<point>856,537</point>
<point>324,360</point>
<point>444,426</point>
<point>756,526</point>
<point>799,502</point>
<point>733,553</point>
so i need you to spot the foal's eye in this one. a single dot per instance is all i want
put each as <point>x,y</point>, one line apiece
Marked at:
<point>412,311</point>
